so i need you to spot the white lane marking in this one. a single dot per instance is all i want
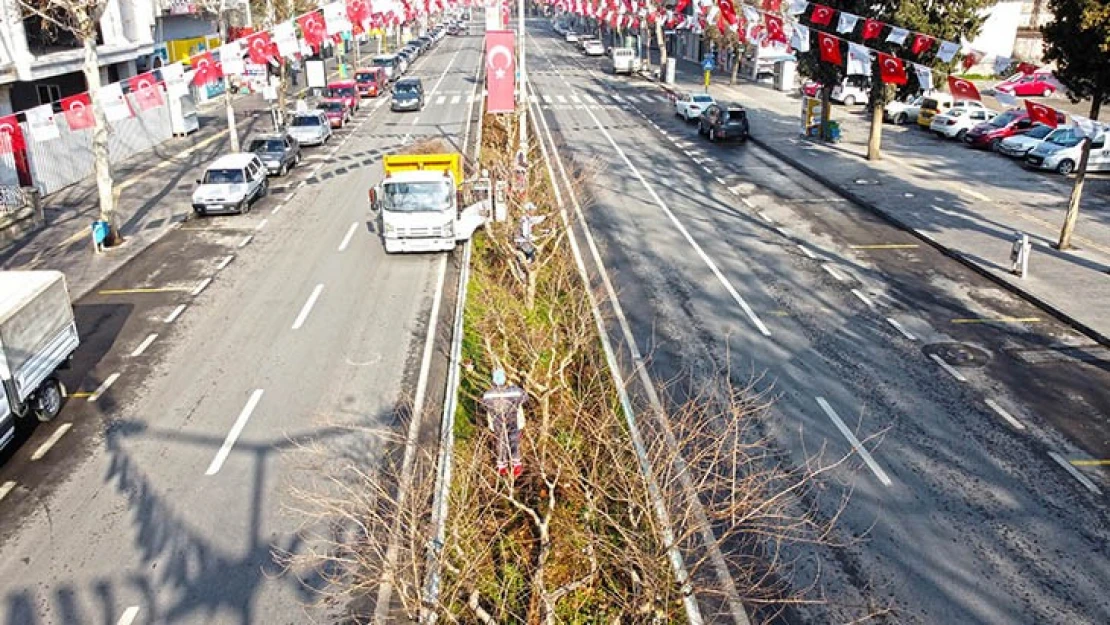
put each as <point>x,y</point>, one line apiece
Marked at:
<point>455,99</point>
<point>974,194</point>
<point>50,442</point>
<point>128,616</point>
<point>707,170</point>
<point>1005,415</point>
<point>720,180</point>
<point>746,202</point>
<point>863,298</point>
<point>262,224</point>
<point>175,314</point>
<point>588,98</point>
<point>901,330</point>
<point>947,367</point>
<point>805,250</point>
<point>233,435</point>
<point>441,99</point>
<point>103,388</point>
<point>416,120</point>
<point>225,262</point>
<point>834,273</point>
<point>6,488</point>
<point>1087,483</point>
<point>547,99</point>
<point>347,238</point>
<point>733,191</point>
<point>783,232</point>
<point>203,285</point>
<point>307,308</point>
<point>142,346</point>
<point>854,442</point>
<point>246,240</point>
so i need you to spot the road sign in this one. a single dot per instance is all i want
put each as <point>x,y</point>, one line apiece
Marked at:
<point>709,64</point>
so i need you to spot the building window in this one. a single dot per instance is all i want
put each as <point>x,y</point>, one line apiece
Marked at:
<point>49,93</point>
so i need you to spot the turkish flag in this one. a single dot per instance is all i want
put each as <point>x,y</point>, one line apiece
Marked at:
<point>772,5</point>
<point>313,28</point>
<point>145,89</point>
<point>78,111</point>
<point>9,127</point>
<point>358,12</point>
<point>728,12</point>
<point>1042,114</point>
<point>871,29</point>
<point>891,69</point>
<point>205,68</point>
<point>922,43</point>
<point>774,28</point>
<point>822,16</point>
<point>963,89</point>
<point>500,71</point>
<point>830,48</point>
<point>260,48</point>
<point>680,6</point>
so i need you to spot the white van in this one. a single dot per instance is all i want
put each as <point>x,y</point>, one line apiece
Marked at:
<point>625,60</point>
<point>854,89</point>
<point>1062,148</point>
<point>230,185</point>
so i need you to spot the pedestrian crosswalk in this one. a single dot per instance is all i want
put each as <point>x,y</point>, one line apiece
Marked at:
<point>611,99</point>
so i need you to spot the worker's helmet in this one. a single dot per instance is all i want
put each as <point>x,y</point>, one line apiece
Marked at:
<point>499,376</point>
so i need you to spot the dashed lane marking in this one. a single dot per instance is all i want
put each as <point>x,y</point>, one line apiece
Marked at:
<point>6,488</point>
<point>233,434</point>
<point>140,291</point>
<point>947,367</point>
<point>50,442</point>
<point>854,442</point>
<point>246,240</point>
<point>225,262</point>
<point>142,346</point>
<point>1082,479</point>
<point>1004,414</point>
<point>834,273</point>
<point>886,246</point>
<point>175,314</point>
<point>128,616</point>
<point>863,298</point>
<point>901,330</point>
<point>200,287</point>
<point>998,320</point>
<point>103,388</point>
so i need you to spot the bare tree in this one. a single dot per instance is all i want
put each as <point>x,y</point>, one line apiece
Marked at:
<point>80,17</point>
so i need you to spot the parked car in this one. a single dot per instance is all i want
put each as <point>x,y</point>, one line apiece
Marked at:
<point>811,88</point>
<point>903,111</point>
<point>855,89</point>
<point>389,64</point>
<point>1062,148</point>
<point>625,60</point>
<point>1017,146</point>
<point>721,122</point>
<point>937,103</point>
<point>1040,83</point>
<point>232,183</point>
<point>406,56</point>
<point>958,121</point>
<point>371,81</point>
<point>346,90</point>
<point>593,47</point>
<point>336,110</point>
<point>990,133</point>
<point>279,152</point>
<point>690,105</point>
<point>310,128</point>
<point>408,95</point>
<point>571,37</point>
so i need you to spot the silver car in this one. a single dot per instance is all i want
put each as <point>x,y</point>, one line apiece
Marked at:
<point>310,128</point>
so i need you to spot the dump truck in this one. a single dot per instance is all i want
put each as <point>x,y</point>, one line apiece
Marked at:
<point>38,335</point>
<point>424,205</point>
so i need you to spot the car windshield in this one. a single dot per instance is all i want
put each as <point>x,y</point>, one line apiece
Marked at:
<point>332,107</point>
<point>366,77</point>
<point>383,62</point>
<point>732,116</point>
<point>341,92</point>
<point>267,145</point>
<point>223,176</point>
<point>1003,120</point>
<point>415,197</point>
<point>306,120</point>
<point>955,112</point>
<point>702,99</point>
<point>1063,136</point>
<point>404,88</point>
<point>1039,131</point>
<point>929,103</point>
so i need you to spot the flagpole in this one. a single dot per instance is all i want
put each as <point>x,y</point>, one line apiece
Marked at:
<point>523,91</point>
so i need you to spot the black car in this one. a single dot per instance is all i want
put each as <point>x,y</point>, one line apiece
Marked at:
<point>720,122</point>
<point>408,95</point>
<point>278,152</point>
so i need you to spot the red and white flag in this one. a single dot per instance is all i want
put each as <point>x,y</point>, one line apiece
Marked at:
<point>145,89</point>
<point>78,111</point>
<point>261,48</point>
<point>871,29</point>
<point>922,43</point>
<point>892,70</point>
<point>963,89</point>
<point>830,48</point>
<point>1042,114</point>
<point>313,28</point>
<point>10,130</point>
<point>775,32</point>
<point>205,68</point>
<point>500,72</point>
<point>821,15</point>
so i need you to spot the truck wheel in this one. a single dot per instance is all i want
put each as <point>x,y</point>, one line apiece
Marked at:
<point>48,402</point>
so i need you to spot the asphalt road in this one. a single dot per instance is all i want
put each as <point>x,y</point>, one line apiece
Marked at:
<point>725,260</point>
<point>281,340</point>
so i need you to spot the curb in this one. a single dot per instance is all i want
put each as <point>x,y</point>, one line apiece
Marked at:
<point>886,216</point>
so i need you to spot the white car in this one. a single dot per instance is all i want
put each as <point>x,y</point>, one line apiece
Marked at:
<point>956,121</point>
<point>593,48</point>
<point>690,106</point>
<point>1062,148</point>
<point>1017,146</point>
<point>571,36</point>
<point>903,111</point>
<point>230,185</point>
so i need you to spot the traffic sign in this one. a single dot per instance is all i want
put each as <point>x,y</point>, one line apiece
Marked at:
<point>709,64</point>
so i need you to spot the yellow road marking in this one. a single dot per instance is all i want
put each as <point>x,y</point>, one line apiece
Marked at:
<point>886,246</point>
<point>1000,320</point>
<point>164,289</point>
<point>1090,463</point>
<point>80,395</point>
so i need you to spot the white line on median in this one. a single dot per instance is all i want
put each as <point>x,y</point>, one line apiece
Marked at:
<point>1005,415</point>
<point>175,314</point>
<point>307,308</point>
<point>225,262</point>
<point>103,388</point>
<point>50,442</point>
<point>947,367</point>
<point>142,346</point>
<point>347,239</point>
<point>233,435</point>
<point>5,489</point>
<point>203,285</point>
<point>854,442</point>
<point>128,616</point>
<point>897,326</point>
<point>1083,479</point>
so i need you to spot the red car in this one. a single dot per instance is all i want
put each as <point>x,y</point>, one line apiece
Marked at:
<point>1040,83</point>
<point>989,134</point>
<point>811,88</point>
<point>336,110</point>
<point>371,81</point>
<point>346,90</point>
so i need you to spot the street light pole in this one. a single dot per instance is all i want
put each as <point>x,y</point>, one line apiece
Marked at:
<point>233,132</point>
<point>523,91</point>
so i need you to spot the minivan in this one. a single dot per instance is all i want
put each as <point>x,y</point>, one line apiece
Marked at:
<point>625,60</point>
<point>389,63</point>
<point>371,81</point>
<point>230,185</point>
<point>854,89</point>
<point>408,95</point>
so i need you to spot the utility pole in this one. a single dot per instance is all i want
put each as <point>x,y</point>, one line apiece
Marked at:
<point>523,91</point>
<point>232,131</point>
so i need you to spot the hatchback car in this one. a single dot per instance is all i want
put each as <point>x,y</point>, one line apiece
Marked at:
<point>721,122</point>
<point>571,36</point>
<point>958,121</point>
<point>690,105</point>
<point>346,90</point>
<point>903,111</point>
<point>1040,83</point>
<point>278,152</point>
<point>310,128</point>
<point>230,185</point>
<point>336,110</point>
<point>371,81</point>
<point>1017,146</point>
<point>408,95</point>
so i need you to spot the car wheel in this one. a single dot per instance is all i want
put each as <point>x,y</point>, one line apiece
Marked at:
<point>994,144</point>
<point>960,135</point>
<point>1047,91</point>
<point>243,207</point>
<point>48,403</point>
<point>199,211</point>
<point>901,119</point>
<point>284,169</point>
<point>850,101</point>
<point>1065,167</point>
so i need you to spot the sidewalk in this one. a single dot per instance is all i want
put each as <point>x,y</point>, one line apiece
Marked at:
<point>966,203</point>
<point>153,187</point>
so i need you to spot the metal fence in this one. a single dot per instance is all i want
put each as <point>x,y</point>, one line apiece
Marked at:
<point>60,162</point>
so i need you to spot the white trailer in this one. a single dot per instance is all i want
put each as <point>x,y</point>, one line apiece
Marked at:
<point>38,335</point>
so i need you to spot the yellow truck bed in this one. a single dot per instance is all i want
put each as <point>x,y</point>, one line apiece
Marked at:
<point>394,163</point>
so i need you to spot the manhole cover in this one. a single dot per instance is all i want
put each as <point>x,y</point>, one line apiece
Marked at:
<point>959,354</point>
